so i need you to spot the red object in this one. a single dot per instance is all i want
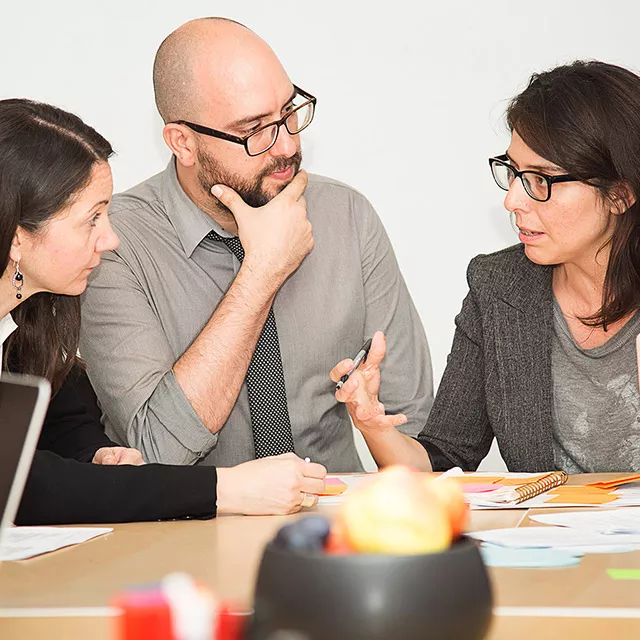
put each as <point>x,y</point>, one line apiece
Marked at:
<point>337,544</point>
<point>232,625</point>
<point>145,616</point>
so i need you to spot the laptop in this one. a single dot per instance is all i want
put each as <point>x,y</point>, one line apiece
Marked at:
<point>23,405</point>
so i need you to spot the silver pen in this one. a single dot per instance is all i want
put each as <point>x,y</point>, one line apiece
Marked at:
<point>361,356</point>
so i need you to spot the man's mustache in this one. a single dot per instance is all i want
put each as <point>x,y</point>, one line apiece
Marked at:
<point>281,164</point>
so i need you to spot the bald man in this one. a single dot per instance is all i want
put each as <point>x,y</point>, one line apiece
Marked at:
<point>239,280</point>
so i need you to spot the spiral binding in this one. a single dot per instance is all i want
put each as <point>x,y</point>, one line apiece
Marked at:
<point>532,489</point>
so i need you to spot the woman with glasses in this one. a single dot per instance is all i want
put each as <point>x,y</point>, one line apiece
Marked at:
<point>544,355</point>
<point>55,188</point>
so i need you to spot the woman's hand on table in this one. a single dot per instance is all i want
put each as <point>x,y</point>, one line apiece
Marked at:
<point>276,485</point>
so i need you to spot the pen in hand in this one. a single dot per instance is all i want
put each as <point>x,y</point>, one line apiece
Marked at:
<point>361,356</point>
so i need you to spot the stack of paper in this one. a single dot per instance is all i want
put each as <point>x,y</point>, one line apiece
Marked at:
<point>623,492</point>
<point>480,490</point>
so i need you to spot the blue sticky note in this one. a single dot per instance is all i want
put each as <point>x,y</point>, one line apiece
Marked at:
<point>497,556</point>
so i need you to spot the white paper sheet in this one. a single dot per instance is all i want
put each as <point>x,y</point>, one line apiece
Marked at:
<point>20,543</point>
<point>611,521</point>
<point>355,480</point>
<point>558,538</point>
<point>628,495</point>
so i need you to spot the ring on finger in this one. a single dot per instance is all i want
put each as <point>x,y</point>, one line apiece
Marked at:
<point>308,500</point>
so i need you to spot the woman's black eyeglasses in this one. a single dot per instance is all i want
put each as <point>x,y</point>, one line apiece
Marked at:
<point>536,184</point>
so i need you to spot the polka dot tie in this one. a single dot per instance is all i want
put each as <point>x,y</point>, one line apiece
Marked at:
<point>265,382</point>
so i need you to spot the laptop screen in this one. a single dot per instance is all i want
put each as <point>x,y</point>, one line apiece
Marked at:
<point>23,406</point>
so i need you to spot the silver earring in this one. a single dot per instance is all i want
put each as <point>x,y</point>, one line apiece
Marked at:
<point>17,281</point>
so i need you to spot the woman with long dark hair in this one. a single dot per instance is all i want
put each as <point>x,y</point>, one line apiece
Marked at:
<point>55,188</point>
<point>544,355</point>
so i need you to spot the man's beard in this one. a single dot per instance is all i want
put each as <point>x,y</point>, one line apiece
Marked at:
<point>251,191</point>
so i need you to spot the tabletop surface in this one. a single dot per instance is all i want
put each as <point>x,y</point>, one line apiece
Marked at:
<point>66,594</point>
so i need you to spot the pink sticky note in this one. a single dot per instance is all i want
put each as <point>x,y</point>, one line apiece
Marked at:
<point>480,488</point>
<point>334,487</point>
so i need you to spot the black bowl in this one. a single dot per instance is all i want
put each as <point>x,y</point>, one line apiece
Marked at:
<point>313,596</point>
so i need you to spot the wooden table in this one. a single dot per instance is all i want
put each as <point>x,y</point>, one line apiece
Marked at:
<point>66,594</point>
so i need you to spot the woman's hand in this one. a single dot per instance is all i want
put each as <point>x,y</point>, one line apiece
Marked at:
<point>275,485</point>
<point>360,391</point>
<point>117,455</point>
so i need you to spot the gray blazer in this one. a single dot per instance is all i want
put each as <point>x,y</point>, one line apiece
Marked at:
<point>498,376</point>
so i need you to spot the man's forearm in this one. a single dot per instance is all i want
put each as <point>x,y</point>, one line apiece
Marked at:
<point>212,370</point>
<point>393,447</point>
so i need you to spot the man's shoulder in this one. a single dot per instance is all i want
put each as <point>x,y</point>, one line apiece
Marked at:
<point>324,187</point>
<point>140,219</point>
<point>142,197</point>
<point>316,181</point>
<point>331,203</point>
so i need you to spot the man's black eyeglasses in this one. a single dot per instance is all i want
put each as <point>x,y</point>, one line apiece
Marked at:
<point>297,118</point>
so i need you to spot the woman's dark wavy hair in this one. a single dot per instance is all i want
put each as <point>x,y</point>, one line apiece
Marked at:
<point>585,117</point>
<point>46,158</point>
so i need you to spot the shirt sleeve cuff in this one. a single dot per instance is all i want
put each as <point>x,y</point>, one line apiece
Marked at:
<point>439,461</point>
<point>190,432</point>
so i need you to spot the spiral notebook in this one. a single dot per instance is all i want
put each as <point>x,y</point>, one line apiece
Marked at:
<point>511,495</point>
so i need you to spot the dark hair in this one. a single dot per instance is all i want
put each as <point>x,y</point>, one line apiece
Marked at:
<point>585,117</point>
<point>46,158</point>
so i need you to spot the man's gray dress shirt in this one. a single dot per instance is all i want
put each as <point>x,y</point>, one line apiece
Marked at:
<point>151,298</point>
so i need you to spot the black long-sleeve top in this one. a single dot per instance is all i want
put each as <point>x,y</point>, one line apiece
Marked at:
<point>63,486</point>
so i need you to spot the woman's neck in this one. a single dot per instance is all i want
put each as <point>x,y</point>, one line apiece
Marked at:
<point>578,290</point>
<point>582,284</point>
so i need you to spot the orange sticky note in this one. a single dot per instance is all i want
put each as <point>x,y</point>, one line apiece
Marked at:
<point>334,487</point>
<point>611,484</point>
<point>583,498</point>
<point>581,490</point>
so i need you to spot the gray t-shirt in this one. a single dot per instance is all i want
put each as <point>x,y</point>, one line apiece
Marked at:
<point>596,405</point>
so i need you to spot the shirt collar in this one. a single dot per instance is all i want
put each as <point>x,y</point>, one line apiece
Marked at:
<point>530,286</point>
<point>191,223</point>
<point>7,327</point>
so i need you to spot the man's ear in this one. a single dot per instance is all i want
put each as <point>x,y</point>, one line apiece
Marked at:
<point>622,198</point>
<point>182,142</point>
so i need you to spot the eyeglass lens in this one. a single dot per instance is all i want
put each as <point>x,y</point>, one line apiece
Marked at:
<point>295,123</point>
<point>534,184</point>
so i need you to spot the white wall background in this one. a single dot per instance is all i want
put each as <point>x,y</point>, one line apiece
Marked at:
<point>410,101</point>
